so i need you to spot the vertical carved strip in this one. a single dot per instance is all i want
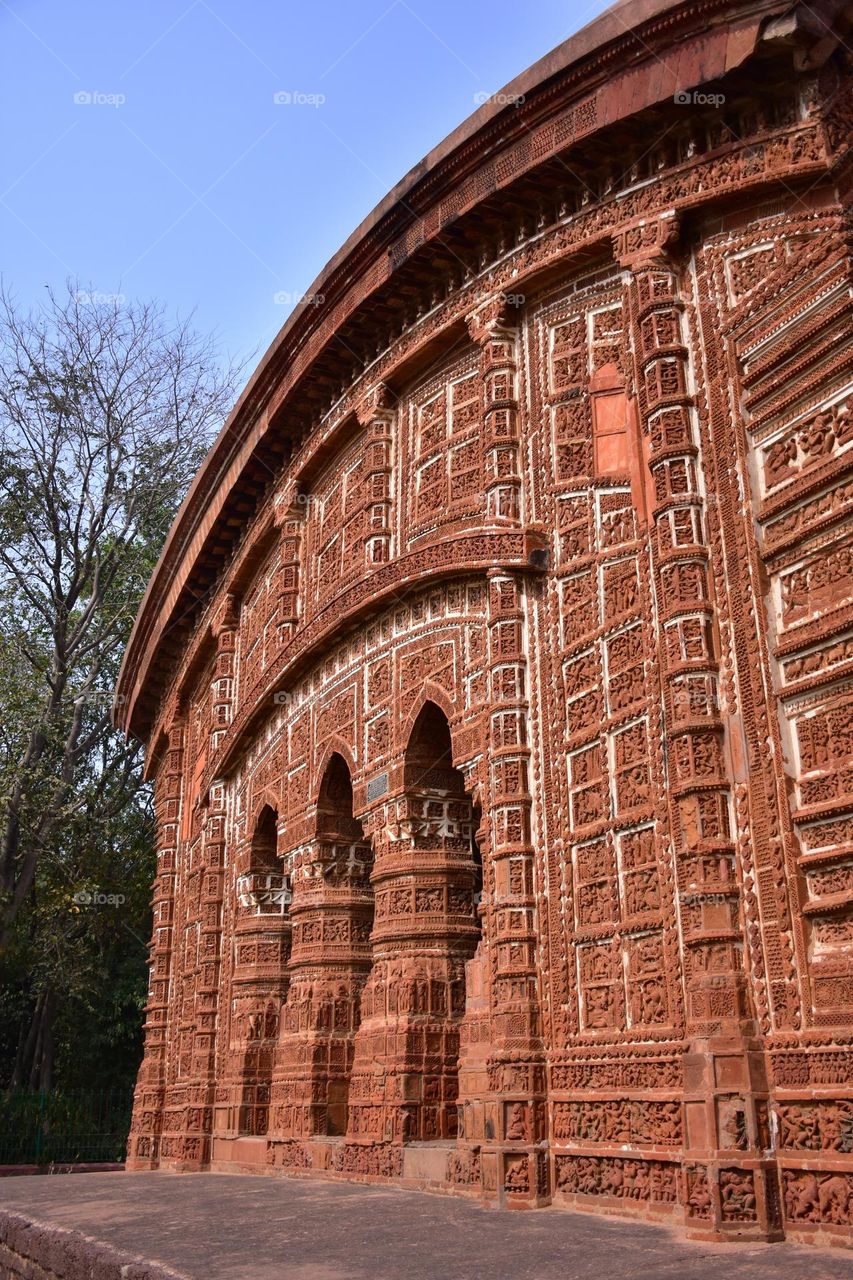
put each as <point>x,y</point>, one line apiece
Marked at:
<point>502,1078</point>
<point>208,880</point>
<point>507,1117</point>
<point>501,441</point>
<point>291,525</point>
<point>149,1098</point>
<point>199,1120</point>
<point>376,414</point>
<point>727,1184</point>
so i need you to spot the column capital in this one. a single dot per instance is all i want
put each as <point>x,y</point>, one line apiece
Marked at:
<point>289,505</point>
<point>648,242</point>
<point>379,402</point>
<point>493,316</point>
<point>227,615</point>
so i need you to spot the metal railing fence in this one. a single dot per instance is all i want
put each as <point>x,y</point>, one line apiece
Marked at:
<point>40,1127</point>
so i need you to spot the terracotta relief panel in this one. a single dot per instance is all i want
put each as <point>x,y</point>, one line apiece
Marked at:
<point>444,469</point>
<point>505,805</point>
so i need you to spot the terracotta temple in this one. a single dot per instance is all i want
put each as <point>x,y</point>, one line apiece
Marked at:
<point>497,674</point>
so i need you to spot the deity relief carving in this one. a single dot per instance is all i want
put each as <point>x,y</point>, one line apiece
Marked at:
<point>818,440</point>
<point>622,1179</point>
<point>634,1122</point>
<point>811,1197</point>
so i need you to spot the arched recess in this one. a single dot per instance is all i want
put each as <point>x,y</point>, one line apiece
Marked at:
<point>262,939</point>
<point>405,1076</point>
<point>335,746</point>
<point>263,857</point>
<point>429,771</point>
<point>430,748</point>
<point>431,699</point>
<point>332,914</point>
<point>335,818</point>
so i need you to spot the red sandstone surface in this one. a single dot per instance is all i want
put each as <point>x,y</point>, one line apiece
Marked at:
<point>497,675</point>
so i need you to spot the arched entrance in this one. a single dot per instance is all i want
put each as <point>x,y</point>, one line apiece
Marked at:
<point>332,916</point>
<point>405,1077</point>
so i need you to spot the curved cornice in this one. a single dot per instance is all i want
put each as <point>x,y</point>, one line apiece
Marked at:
<point>609,71</point>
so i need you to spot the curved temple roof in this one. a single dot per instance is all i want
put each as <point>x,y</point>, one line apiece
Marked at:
<point>613,59</point>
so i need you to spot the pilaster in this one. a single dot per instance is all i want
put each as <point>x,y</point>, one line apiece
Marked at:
<point>147,1123</point>
<point>730,1187</point>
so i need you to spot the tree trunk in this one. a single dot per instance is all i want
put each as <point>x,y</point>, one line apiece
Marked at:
<point>48,1019</point>
<point>27,1046</point>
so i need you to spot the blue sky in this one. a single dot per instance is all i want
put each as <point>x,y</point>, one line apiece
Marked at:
<point>144,152</point>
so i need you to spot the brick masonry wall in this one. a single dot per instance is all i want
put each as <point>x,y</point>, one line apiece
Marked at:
<point>38,1251</point>
<point>504,779</point>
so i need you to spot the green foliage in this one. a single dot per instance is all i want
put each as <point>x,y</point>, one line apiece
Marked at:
<point>37,1127</point>
<point>105,413</point>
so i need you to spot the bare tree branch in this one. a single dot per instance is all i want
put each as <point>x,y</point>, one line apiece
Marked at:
<point>105,413</point>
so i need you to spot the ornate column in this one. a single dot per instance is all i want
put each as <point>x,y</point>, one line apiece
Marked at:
<point>502,1071</point>
<point>730,1187</point>
<point>376,415</point>
<point>199,1112</point>
<point>404,1082</point>
<point>146,1125</point>
<point>208,882</point>
<point>290,519</point>
<point>502,1082</point>
<point>331,914</point>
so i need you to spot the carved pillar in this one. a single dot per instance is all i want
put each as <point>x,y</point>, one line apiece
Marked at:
<point>290,518</point>
<point>729,1188</point>
<point>262,935</point>
<point>502,1082</point>
<point>404,1083</point>
<point>376,415</point>
<point>331,914</point>
<point>206,898</point>
<point>199,1113</point>
<point>501,1070</point>
<point>493,328</point>
<point>147,1123</point>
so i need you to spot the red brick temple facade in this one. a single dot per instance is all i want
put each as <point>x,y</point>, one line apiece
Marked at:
<point>497,674</point>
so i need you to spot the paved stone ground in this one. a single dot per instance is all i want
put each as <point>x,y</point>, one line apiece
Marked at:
<point>223,1227</point>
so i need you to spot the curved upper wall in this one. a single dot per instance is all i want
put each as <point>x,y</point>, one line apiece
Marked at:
<point>637,54</point>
